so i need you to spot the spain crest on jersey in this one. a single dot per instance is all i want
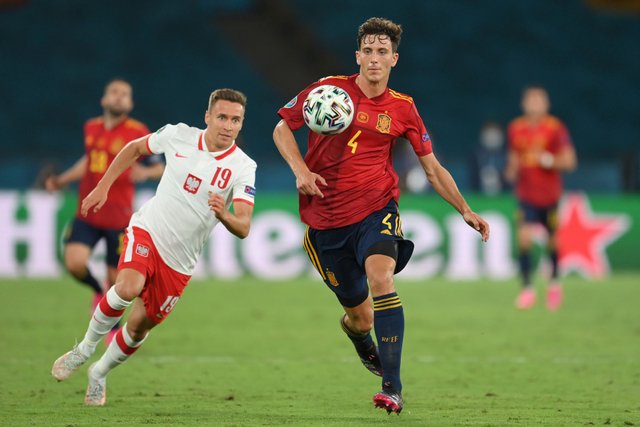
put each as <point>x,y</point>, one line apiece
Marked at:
<point>384,123</point>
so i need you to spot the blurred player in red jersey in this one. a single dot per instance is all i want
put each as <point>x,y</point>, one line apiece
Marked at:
<point>104,137</point>
<point>348,199</point>
<point>539,150</point>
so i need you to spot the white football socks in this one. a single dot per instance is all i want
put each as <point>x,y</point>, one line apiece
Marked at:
<point>106,315</point>
<point>121,348</point>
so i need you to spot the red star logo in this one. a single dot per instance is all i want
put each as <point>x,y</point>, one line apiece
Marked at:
<point>584,236</point>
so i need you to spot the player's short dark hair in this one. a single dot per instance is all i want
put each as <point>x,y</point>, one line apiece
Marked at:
<point>117,79</point>
<point>380,27</point>
<point>533,86</point>
<point>227,95</point>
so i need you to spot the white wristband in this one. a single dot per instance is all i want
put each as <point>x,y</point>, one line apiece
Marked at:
<point>546,160</point>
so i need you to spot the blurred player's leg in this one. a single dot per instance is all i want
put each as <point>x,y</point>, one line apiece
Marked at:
<point>76,257</point>
<point>127,340</point>
<point>554,291</point>
<point>527,297</point>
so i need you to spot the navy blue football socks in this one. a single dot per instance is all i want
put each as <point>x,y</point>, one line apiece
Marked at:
<point>525,267</point>
<point>554,264</point>
<point>360,341</point>
<point>91,281</point>
<point>388,321</point>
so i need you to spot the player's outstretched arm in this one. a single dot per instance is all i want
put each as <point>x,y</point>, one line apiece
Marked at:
<point>74,173</point>
<point>239,222</point>
<point>125,158</point>
<point>446,187</point>
<point>305,179</point>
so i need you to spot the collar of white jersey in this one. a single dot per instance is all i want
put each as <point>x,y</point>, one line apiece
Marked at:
<point>220,154</point>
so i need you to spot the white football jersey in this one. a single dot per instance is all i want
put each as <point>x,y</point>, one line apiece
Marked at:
<point>178,217</point>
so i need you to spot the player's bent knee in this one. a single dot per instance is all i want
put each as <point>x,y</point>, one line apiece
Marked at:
<point>75,269</point>
<point>137,333</point>
<point>129,284</point>
<point>361,319</point>
<point>363,325</point>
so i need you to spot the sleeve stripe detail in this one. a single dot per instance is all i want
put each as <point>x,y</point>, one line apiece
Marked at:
<point>148,148</point>
<point>400,96</point>
<point>243,200</point>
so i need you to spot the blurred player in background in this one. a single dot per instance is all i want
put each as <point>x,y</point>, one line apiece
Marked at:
<point>206,171</point>
<point>540,149</point>
<point>104,137</point>
<point>348,199</point>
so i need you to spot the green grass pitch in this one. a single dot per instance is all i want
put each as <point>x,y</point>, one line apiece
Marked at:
<point>254,353</point>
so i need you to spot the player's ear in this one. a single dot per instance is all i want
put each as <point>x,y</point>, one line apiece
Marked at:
<point>358,57</point>
<point>395,59</point>
<point>206,117</point>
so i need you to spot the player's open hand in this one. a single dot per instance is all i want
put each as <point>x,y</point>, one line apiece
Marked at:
<point>96,199</point>
<point>307,184</point>
<point>217,205</point>
<point>51,184</point>
<point>477,223</point>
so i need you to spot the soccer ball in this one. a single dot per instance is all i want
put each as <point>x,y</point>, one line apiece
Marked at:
<point>328,110</point>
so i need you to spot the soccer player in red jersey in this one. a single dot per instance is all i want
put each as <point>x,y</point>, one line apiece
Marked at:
<point>348,199</point>
<point>104,137</point>
<point>539,150</point>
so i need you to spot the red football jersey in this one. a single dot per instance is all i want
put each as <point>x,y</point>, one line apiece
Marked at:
<point>536,185</point>
<point>101,147</point>
<point>356,163</point>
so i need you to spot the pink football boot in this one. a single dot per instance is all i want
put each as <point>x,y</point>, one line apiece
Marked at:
<point>526,299</point>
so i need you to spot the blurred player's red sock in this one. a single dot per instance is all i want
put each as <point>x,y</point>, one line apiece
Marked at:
<point>106,315</point>
<point>123,347</point>
<point>554,296</point>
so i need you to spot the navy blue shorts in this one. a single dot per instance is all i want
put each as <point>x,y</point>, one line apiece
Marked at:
<point>547,216</point>
<point>339,254</point>
<point>83,232</point>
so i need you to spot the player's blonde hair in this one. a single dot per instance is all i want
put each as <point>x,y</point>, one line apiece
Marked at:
<point>227,95</point>
<point>380,27</point>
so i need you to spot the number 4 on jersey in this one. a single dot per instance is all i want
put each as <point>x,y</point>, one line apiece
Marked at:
<point>353,143</point>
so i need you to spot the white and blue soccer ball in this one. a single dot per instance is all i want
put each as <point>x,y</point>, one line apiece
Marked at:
<point>328,110</point>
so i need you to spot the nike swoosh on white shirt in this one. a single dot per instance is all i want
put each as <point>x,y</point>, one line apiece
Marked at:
<point>184,157</point>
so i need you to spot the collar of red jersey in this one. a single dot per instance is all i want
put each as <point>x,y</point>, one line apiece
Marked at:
<point>219,155</point>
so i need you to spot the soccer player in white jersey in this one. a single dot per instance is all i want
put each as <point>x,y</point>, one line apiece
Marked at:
<point>206,173</point>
